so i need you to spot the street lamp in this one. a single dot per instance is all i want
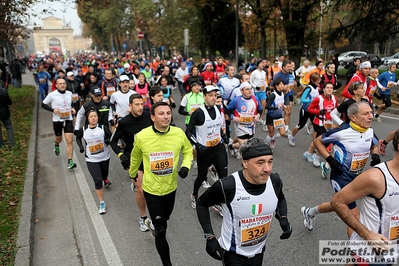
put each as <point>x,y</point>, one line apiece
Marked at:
<point>321,26</point>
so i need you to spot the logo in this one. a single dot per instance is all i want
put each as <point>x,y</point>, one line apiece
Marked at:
<point>257,208</point>
<point>243,198</point>
<point>395,193</point>
<point>243,108</point>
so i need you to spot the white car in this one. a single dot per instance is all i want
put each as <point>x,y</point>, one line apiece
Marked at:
<point>347,57</point>
<point>391,59</point>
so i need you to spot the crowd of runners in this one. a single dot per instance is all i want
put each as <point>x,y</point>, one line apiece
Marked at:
<point>128,102</point>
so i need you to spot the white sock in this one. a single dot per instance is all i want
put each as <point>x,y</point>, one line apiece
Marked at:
<point>313,211</point>
<point>287,127</point>
<point>277,135</point>
<point>268,138</point>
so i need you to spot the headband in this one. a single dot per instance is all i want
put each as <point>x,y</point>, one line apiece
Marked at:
<point>260,150</point>
<point>365,64</point>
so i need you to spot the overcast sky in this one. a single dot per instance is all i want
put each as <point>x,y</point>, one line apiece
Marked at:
<point>61,11</point>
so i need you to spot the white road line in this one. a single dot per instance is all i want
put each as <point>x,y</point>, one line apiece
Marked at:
<point>110,252</point>
<point>390,117</point>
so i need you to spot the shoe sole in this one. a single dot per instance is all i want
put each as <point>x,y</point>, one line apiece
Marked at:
<point>147,223</point>
<point>304,218</point>
<point>193,203</point>
<point>220,212</point>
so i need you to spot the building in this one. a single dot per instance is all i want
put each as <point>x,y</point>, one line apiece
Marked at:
<point>55,35</point>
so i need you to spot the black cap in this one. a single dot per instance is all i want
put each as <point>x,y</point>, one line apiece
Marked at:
<point>96,91</point>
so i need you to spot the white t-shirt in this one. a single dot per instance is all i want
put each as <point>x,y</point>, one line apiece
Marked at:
<point>121,102</point>
<point>63,102</point>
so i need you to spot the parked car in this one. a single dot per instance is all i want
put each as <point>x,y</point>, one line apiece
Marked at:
<point>348,57</point>
<point>394,59</point>
<point>375,60</point>
<point>389,57</point>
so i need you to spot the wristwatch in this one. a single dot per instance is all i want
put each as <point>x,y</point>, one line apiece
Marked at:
<point>209,236</point>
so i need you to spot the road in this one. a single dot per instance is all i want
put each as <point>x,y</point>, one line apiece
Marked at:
<point>69,231</point>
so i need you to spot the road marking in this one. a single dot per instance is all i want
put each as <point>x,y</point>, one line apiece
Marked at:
<point>390,117</point>
<point>109,249</point>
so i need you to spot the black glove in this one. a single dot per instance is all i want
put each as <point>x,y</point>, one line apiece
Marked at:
<point>75,132</point>
<point>135,178</point>
<point>298,84</point>
<point>81,150</point>
<point>173,105</point>
<point>183,172</point>
<point>375,159</point>
<point>225,139</point>
<point>214,249</point>
<point>286,227</point>
<point>125,162</point>
<point>200,148</point>
<point>257,88</point>
<point>111,122</point>
<point>335,166</point>
<point>323,111</point>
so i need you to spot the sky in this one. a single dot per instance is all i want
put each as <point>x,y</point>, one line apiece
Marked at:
<point>59,10</point>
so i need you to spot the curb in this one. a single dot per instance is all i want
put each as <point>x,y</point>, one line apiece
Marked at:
<point>25,228</point>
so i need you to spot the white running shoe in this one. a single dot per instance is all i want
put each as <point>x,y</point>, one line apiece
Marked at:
<point>195,165</point>
<point>308,220</point>
<point>143,226</point>
<point>288,132</point>
<point>309,128</point>
<point>265,128</point>
<point>218,209</point>
<point>272,143</point>
<point>316,160</point>
<point>307,156</point>
<point>325,169</point>
<point>205,184</point>
<point>291,140</point>
<point>150,226</point>
<point>238,155</point>
<point>193,201</point>
<point>102,209</point>
<point>214,174</point>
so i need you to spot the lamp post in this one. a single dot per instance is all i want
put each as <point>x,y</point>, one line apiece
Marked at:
<point>321,26</point>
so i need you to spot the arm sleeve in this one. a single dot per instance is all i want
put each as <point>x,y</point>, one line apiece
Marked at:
<point>197,118</point>
<point>136,157</point>
<point>47,107</point>
<point>282,202</point>
<point>345,92</point>
<point>304,97</point>
<point>269,103</point>
<point>187,150</point>
<point>108,135</point>
<point>335,115</point>
<point>314,108</point>
<point>79,137</point>
<point>232,105</point>
<point>118,133</point>
<point>379,84</point>
<point>79,117</point>
<point>182,110</point>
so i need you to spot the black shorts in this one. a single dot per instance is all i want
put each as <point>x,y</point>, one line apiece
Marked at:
<point>386,98</point>
<point>246,136</point>
<point>291,98</point>
<point>67,125</point>
<point>269,120</point>
<point>320,130</point>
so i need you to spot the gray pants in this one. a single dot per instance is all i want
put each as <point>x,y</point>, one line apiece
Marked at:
<point>10,133</point>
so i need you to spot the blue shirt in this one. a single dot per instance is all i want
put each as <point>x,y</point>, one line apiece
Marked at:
<point>386,79</point>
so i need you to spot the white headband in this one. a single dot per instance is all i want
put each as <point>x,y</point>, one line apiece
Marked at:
<point>365,64</point>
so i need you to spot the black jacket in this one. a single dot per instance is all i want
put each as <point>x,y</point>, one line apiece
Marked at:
<point>5,101</point>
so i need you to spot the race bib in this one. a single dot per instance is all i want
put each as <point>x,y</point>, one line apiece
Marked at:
<point>110,90</point>
<point>42,81</point>
<point>220,74</point>
<point>359,160</point>
<point>161,163</point>
<point>95,147</point>
<point>65,113</point>
<point>391,84</point>
<point>246,119</point>
<point>75,97</point>
<point>328,125</point>
<point>212,142</point>
<point>194,106</point>
<point>394,227</point>
<point>207,82</point>
<point>291,85</point>
<point>278,123</point>
<point>254,230</point>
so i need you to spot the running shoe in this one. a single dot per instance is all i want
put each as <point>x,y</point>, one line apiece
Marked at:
<point>382,147</point>
<point>378,119</point>
<point>308,156</point>
<point>193,201</point>
<point>107,183</point>
<point>143,226</point>
<point>316,160</point>
<point>57,150</point>
<point>291,140</point>
<point>102,209</point>
<point>133,187</point>
<point>288,132</point>
<point>265,128</point>
<point>309,128</point>
<point>195,165</point>
<point>325,169</point>
<point>205,184</point>
<point>71,165</point>
<point>308,220</point>
<point>218,209</point>
<point>272,143</point>
<point>214,174</point>
<point>150,226</point>
<point>238,155</point>
<point>261,122</point>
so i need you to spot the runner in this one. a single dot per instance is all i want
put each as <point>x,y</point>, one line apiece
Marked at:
<point>353,143</point>
<point>120,99</point>
<point>180,75</point>
<point>246,110</point>
<point>97,155</point>
<point>59,102</point>
<point>258,81</point>
<point>191,102</point>
<point>207,121</point>
<point>246,222</point>
<point>73,86</point>
<point>41,78</point>
<point>142,88</point>
<point>376,192</point>
<point>127,129</point>
<point>158,147</point>
<point>383,143</point>
<point>108,85</point>
<point>276,103</point>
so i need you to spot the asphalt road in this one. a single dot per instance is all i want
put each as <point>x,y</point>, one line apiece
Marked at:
<point>69,230</point>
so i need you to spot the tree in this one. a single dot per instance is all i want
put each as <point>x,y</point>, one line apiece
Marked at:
<point>372,21</point>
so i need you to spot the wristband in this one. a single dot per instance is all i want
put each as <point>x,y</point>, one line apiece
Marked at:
<point>120,154</point>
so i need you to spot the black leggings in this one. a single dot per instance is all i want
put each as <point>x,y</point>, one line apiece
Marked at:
<point>99,172</point>
<point>218,157</point>
<point>303,118</point>
<point>233,259</point>
<point>160,208</point>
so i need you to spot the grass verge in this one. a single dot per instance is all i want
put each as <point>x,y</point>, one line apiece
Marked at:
<point>13,165</point>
